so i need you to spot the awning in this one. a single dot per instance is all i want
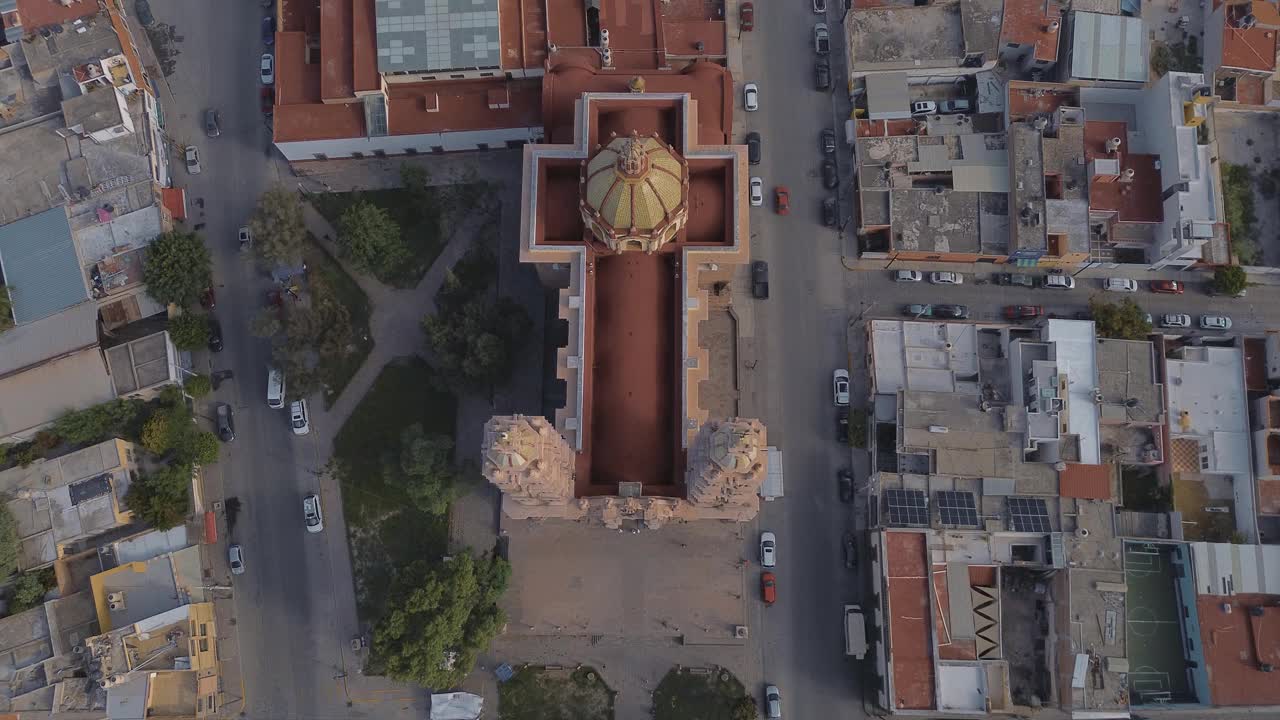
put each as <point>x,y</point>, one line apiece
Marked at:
<point>175,201</point>
<point>210,528</point>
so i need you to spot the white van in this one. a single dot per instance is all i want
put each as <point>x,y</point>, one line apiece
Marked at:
<point>855,632</point>
<point>275,388</point>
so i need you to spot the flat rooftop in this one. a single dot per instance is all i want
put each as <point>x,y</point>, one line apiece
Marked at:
<point>1108,47</point>
<point>907,573</point>
<point>430,35</point>
<point>924,356</point>
<point>1127,382</point>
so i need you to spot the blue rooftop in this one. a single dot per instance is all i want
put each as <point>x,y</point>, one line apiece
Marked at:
<point>40,266</point>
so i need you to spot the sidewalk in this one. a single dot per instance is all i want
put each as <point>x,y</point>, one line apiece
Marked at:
<point>1098,271</point>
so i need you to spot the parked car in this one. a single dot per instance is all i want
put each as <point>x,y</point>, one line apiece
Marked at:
<point>266,100</point>
<point>842,425</point>
<point>772,702</point>
<point>830,178</point>
<point>907,276</point>
<point>822,75</point>
<point>768,588</point>
<point>924,107</point>
<point>782,199</point>
<point>747,17</point>
<point>760,280</point>
<point>1014,279</point>
<point>1215,322</point>
<point>269,31</point>
<point>829,212</point>
<point>820,6</point>
<point>844,480</point>
<point>757,192</point>
<point>299,418</point>
<point>267,69</point>
<point>850,551</point>
<point>235,558</point>
<point>918,310</point>
<point>1171,287</point>
<point>211,123</point>
<point>1120,285</point>
<point>954,107</point>
<point>244,237</point>
<point>215,335</point>
<point>1023,312</point>
<point>751,97</point>
<point>768,549</point>
<point>753,148</point>
<point>840,387</point>
<point>226,422</point>
<point>312,514</point>
<point>827,141</point>
<point>1175,320</point>
<point>192,155</point>
<point>946,278</point>
<point>952,312</point>
<point>821,39</point>
<point>1058,282</point>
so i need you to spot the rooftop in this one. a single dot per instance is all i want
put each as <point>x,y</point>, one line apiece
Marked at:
<point>1252,48</point>
<point>1108,47</point>
<point>24,346</point>
<point>1135,200</point>
<point>1028,22</point>
<point>1127,382</point>
<point>142,363</point>
<point>135,591</point>
<point>38,395</point>
<point>429,35</point>
<point>907,598</point>
<point>1233,582</point>
<point>941,34</point>
<point>1207,401</point>
<point>39,263</point>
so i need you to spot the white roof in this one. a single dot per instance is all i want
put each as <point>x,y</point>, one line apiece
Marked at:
<point>928,356</point>
<point>1206,392</point>
<point>1075,344</point>
<point>1227,569</point>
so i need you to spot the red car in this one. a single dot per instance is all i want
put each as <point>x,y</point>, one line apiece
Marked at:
<point>208,300</point>
<point>1023,312</point>
<point>747,17</point>
<point>768,588</point>
<point>783,197</point>
<point>267,100</point>
<point>1172,287</point>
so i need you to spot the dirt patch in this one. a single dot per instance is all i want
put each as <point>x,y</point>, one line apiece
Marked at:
<point>538,693</point>
<point>701,694</point>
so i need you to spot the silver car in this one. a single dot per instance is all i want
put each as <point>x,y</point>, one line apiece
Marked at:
<point>312,514</point>
<point>235,558</point>
<point>192,155</point>
<point>946,278</point>
<point>1215,322</point>
<point>1175,320</point>
<point>768,549</point>
<point>772,702</point>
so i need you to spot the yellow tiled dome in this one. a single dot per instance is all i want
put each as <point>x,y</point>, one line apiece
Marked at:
<point>635,189</point>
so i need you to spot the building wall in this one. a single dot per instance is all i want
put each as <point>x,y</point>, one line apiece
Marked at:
<point>401,144</point>
<point>1214,20</point>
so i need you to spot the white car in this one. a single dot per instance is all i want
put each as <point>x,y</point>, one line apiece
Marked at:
<point>1175,320</point>
<point>268,69</point>
<point>820,6</point>
<point>192,155</point>
<point>1120,285</point>
<point>768,549</point>
<point>1058,282</point>
<point>772,702</point>
<point>312,513</point>
<point>299,418</point>
<point>751,97</point>
<point>907,276</point>
<point>757,192</point>
<point>840,387</point>
<point>924,107</point>
<point>946,278</point>
<point>235,558</point>
<point>1215,322</point>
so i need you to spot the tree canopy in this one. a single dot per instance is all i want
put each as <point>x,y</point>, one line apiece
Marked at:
<point>177,268</point>
<point>8,541</point>
<point>1230,279</point>
<point>97,423</point>
<point>424,469</point>
<point>1124,320</point>
<point>307,335</point>
<point>278,228</point>
<point>370,238</point>
<point>439,619</point>
<point>189,331</point>
<point>160,498</point>
<point>6,308</point>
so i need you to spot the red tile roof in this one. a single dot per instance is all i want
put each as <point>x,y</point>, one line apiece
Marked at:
<point>126,47</point>
<point>1027,22</point>
<point>336,61</point>
<point>1235,643</point>
<point>1252,48</point>
<point>1136,201</point>
<point>175,201</point>
<point>1031,98</point>
<point>1085,481</point>
<point>364,40</point>
<point>906,571</point>
<point>38,13</point>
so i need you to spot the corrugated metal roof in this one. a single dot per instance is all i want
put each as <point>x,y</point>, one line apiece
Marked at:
<point>40,265</point>
<point>887,97</point>
<point>50,337</point>
<point>39,395</point>
<point>1108,47</point>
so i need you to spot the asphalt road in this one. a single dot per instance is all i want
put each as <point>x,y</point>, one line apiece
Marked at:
<point>294,613</point>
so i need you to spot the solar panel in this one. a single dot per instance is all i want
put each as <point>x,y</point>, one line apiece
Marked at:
<point>907,507</point>
<point>957,508</point>
<point>1028,515</point>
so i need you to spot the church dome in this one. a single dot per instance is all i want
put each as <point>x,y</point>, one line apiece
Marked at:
<point>635,193</point>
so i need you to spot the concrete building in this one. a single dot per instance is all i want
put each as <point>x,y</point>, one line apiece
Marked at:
<point>949,38</point>
<point>1030,34</point>
<point>42,661</point>
<point>1240,51</point>
<point>133,591</point>
<point>1266,464</point>
<point>64,505</point>
<point>636,194</point>
<point>372,77</point>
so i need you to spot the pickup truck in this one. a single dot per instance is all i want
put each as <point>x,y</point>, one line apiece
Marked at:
<point>760,280</point>
<point>821,39</point>
<point>1014,279</point>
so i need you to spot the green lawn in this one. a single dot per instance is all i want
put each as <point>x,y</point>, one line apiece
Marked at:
<point>690,695</point>
<point>1237,201</point>
<point>385,530</point>
<point>339,372</point>
<point>535,693</point>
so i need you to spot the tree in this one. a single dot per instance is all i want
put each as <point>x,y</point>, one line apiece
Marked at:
<point>160,498</point>
<point>29,590</point>
<point>475,344</point>
<point>266,323</point>
<point>6,308</point>
<point>97,423</point>
<point>371,239</point>
<point>198,386</point>
<point>278,228</point>
<point>1230,279</point>
<point>155,434</point>
<point>1124,320</point>
<point>177,268</point>
<point>8,541</point>
<point>189,331</point>
<point>745,709</point>
<point>312,336</point>
<point>439,620</point>
<point>424,469</point>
